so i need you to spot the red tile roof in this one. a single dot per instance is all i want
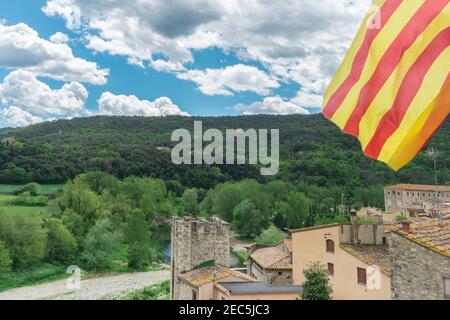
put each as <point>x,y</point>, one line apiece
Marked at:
<point>271,258</point>
<point>418,187</point>
<point>429,234</point>
<point>205,275</point>
<point>373,255</point>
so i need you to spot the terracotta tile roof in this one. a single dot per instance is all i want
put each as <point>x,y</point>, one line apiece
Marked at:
<point>419,187</point>
<point>288,244</point>
<point>271,258</point>
<point>373,255</point>
<point>202,276</point>
<point>429,234</point>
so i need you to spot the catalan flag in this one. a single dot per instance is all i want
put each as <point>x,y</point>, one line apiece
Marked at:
<point>392,91</point>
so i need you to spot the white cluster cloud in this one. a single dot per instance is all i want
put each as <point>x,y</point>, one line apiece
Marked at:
<point>16,117</point>
<point>300,41</point>
<point>271,105</point>
<point>111,104</point>
<point>21,47</point>
<point>27,100</point>
<point>59,37</point>
<point>231,79</point>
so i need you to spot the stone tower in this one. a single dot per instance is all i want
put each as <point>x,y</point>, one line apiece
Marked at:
<point>194,241</point>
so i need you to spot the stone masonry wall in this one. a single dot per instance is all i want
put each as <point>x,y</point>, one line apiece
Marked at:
<point>193,242</point>
<point>417,271</point>
<point>274,277</point>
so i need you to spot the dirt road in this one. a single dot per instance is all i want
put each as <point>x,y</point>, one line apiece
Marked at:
<point>101,288</point>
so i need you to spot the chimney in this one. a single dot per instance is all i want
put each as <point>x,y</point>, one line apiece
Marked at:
<point>441,220</point>
<point>354,229</point>
<point>406,226</point>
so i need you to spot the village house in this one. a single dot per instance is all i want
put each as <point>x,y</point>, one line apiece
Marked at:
<point>271,265</point>
<point>222,283</point>
<point>420,260</point>
<point>356,257</point>
<point>417,199</point>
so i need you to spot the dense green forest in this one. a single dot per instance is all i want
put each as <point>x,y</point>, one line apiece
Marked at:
<point>118,189</point>
<point>313,151</point>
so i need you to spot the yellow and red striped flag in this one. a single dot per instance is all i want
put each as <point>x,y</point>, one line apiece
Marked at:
<point>392,91</point>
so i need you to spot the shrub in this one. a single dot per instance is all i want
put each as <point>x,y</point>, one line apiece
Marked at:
<point>5,258</point>
<point>32,188</point>
<point>401,217</point>
<point>316,285</point>
<point>100,244</point>
<point>62,245</point>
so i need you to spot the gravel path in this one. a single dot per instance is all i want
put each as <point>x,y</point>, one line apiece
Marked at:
<point>106,287</point>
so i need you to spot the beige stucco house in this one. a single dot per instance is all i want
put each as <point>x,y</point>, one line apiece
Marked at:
<point>356,258</point>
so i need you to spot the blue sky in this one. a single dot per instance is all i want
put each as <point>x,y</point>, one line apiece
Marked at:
<point>195,58</point>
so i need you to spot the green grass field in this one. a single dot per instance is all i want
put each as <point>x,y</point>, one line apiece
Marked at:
<point>40,273</point>
<point>7,208</point>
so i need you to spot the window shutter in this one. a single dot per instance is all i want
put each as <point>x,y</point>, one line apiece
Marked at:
<point>362,276</point>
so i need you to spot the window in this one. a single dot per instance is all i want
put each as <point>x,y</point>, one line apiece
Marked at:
<point>331,269</point>
<point>194,295</point>
<point>330,245</point>
<point>362,277</point>
<point>447,288</point>
<point>384,240</point>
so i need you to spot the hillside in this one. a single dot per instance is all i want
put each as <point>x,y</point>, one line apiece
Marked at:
<point>312,150</point>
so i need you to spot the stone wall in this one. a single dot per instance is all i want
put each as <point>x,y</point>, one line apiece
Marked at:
<point>279,277</point>
<point>417,271</point>
<point>193,242</point>
<point>255,271</point>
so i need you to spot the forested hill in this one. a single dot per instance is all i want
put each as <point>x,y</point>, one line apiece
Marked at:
<point>312,150</point>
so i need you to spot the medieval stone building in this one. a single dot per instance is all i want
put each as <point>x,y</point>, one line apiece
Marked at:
<point>420,260</point>
<point>195,242</point>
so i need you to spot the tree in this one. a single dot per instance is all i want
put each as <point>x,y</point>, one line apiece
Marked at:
<point>33,188</point>
<point>190,201</point>
<point>100,244</point>
<point>316,285</point>
<point>271,236</point>
<point>225,198</point>
<point>74,223</point>
<point>248,220</point>
<point>294,210</point>
<point>137,235</point>
<point>24,238</point>
<point>5,258</point>
<point>62,245</point>
<point>78,197</point>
